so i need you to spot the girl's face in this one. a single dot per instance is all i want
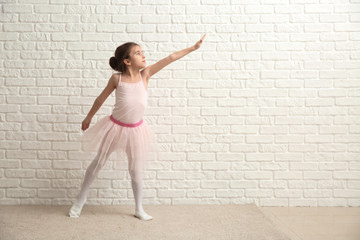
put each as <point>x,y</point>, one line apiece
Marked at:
<point>137,57</point>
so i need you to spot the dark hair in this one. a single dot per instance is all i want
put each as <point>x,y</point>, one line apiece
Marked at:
<point>122,52</point>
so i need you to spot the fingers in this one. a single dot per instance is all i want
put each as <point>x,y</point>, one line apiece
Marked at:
<point>201,40</point>
<point>203,37</point>
<point>84,126</point>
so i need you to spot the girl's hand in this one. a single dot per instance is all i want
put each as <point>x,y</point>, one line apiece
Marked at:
<point>85,124</point>
<point>198,43</point>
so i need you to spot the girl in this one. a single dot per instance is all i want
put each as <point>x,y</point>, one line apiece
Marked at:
<point>124,129</point>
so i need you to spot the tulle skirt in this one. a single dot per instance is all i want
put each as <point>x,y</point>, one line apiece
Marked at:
<point>106,137</point>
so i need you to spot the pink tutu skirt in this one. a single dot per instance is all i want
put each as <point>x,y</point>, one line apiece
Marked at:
<point>107,136</point>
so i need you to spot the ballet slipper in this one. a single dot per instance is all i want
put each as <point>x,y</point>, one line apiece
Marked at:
<point>142,216</point>
<point>76,209</point>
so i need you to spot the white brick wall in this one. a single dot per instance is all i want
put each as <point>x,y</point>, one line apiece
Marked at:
<point>266,111</point>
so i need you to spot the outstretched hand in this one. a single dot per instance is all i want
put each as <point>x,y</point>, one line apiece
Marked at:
<point>198,43</point>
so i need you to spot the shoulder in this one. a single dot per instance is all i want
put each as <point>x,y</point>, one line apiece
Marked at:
<point>114,79</point>
<point>145,74</point>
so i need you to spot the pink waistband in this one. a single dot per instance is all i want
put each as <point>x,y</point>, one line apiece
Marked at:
<point>125,124</point>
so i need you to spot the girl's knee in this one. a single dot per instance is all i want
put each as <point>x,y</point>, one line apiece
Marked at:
<point>136,176</point>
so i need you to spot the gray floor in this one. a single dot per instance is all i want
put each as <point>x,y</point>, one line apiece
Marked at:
<point>318,223</point>
<point>117,222</point>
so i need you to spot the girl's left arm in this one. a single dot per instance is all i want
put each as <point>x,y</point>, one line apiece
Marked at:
<point>154,68</point>
<point>177,55</point>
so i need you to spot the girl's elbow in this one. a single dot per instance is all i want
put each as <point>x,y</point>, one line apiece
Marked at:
<point>172,57</point>
<point>99,100</point>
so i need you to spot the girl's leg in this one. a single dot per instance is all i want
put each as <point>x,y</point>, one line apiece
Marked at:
<point>89,178</point>
<point>136,173</point>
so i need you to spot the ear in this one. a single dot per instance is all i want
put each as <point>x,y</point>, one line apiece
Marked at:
<point>127,62</point>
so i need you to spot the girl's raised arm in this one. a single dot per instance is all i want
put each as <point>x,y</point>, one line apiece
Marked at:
<point>154,68</point>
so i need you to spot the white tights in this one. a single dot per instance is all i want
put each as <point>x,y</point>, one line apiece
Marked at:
<point>136,183</point>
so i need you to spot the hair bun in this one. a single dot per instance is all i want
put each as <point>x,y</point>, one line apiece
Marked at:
<point>113,62</point>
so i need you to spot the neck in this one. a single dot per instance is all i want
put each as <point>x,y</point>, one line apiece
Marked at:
<point>132,74</point>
